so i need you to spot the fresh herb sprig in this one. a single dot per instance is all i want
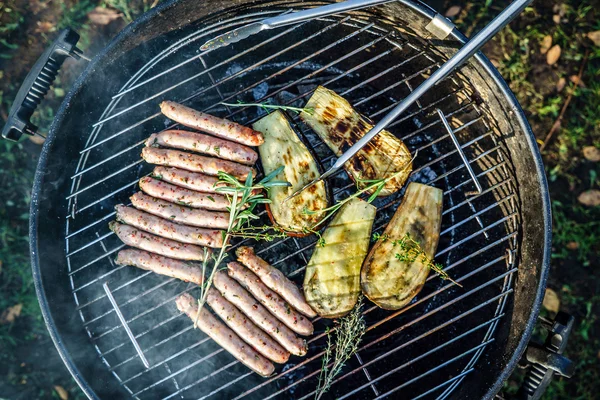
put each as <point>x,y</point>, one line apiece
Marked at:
<point>342,344</point>
<point>267,107</point>
<point>410,251</point>
<point>243,199</point>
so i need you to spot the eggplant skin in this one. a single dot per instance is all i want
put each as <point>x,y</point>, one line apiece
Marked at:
<point>282,146</point>
<point>340,126</point>
<point>387,281</point>
<point>332,277</point>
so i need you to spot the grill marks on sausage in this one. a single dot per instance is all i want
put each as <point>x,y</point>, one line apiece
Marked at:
<point>200,143</point>
<point>194,162</point>
<point>275,280</point>
<point>187,179</point>
<point>271,300</point>
<point>245,328</point>
<point>168,229</point>
<point>186,271</point>
<point>210,124</point>
<point>224,336</point>
<point>185,197</point>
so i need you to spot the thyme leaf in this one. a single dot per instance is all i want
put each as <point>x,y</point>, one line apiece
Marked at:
<point>267,107</point>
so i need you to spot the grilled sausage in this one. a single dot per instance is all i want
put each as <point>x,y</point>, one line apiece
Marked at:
<point>275,280</point>
<point>243,300</point>
<point>185,271</point>
<point>181,196</point>
<point>207,123</point>
<point>155,244</point>
<point>200,143</point>
<point>195,162</point>
<point>167,229</point>
<point>245,328</point>
<point>176,213</point>
<point>225,337</point>
<point>187,179</point>
<point>271,300</point>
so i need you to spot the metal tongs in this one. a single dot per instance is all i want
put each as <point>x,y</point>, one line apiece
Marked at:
<point>461,56</point>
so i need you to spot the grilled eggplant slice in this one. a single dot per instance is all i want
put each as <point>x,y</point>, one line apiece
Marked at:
<point>385,279</point>
<point>332,280</point>
<point>340,126</point>
<point>283,147</point>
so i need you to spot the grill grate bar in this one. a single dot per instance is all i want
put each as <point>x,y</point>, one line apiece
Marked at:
<point>107,159</point>
<point>105,178</point>
<point>137,278</point>
<point>214,373</point>
<point>90,225</point>
<point>420,357</point>
<point>106,254</point>
<point>128,185</point>
<point>85,246</point>
<point>448,382</point>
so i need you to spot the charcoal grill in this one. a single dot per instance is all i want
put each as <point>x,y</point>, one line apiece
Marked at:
<point>472,141</point>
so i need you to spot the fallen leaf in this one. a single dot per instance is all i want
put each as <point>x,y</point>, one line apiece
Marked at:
<point>594,37</point>
<point>590,198</point>
<point>560,85</point>
<point>103,16</point>
<point>556,18</point>
<point>575,79</point>
<point>0,266</point>
<point>572,245</point>
<point>62,393</point>
<point>495,63</point>
<point>591,153</point>
<point>37,139</point>
<point>551,301</point>
<point>44,27</point>
<point>10,314</point>
<point>546,43</point>
<point>553,54</point>
<point>453,11</point>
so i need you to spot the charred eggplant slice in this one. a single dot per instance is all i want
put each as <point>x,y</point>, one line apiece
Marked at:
<point>332,279</point>
<point>340,126</point>
<point>282,146</point>
<point>387,279</point>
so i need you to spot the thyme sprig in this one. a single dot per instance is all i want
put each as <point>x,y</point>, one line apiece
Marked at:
<point>341,345</point>
<point>267,107</point>
<point>243,199</point>
<point>410,251</point>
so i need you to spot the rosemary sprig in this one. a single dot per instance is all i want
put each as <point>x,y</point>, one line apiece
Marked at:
<point>348,334</point>
<point>411,251</point>
<point>267,107</point>
<point>243,199</point>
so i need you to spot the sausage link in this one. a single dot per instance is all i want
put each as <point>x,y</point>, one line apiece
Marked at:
<point>181,214</point>
<point>243,300</point>
<point>167,229</point>
<point>271,300</point>
<point>185,271</point>
<point>275,280</point>
<point>200,143</point>
<point>207,123</point>
<point>245,328</point>
<point>225,337</point>
<point>195,163</point>
<point>155,244</point>
<point>175,194</point>
<point>187,179</point>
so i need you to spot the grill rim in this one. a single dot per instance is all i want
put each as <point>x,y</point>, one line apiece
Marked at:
<point>129,33</point>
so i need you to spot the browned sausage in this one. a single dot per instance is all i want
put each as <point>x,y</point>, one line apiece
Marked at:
<point>225,337</point>
<point>200,143</point>
<point>188,272</point>
<point>207,123</point>
<point>243,300</point>
<point>182,196</point>
<point>187,179</point>
<point>181,214</point>
<point>271,300</point>
<point>155,244</point>
<point>275,280</point>
<point>168,229</point>
<point>245,328</point>
<point>195,162</point>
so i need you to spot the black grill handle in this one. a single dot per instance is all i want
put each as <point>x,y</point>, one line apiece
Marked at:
<point>37,83</point>
<point>544,361</point>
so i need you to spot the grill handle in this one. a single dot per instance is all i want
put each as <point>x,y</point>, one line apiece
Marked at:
<point>37,83</point>
<point>544,361</point>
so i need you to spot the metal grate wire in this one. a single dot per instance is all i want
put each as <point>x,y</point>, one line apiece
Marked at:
<point>373,66</point>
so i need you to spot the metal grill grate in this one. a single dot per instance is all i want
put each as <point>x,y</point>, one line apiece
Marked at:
<point>425,349</point>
